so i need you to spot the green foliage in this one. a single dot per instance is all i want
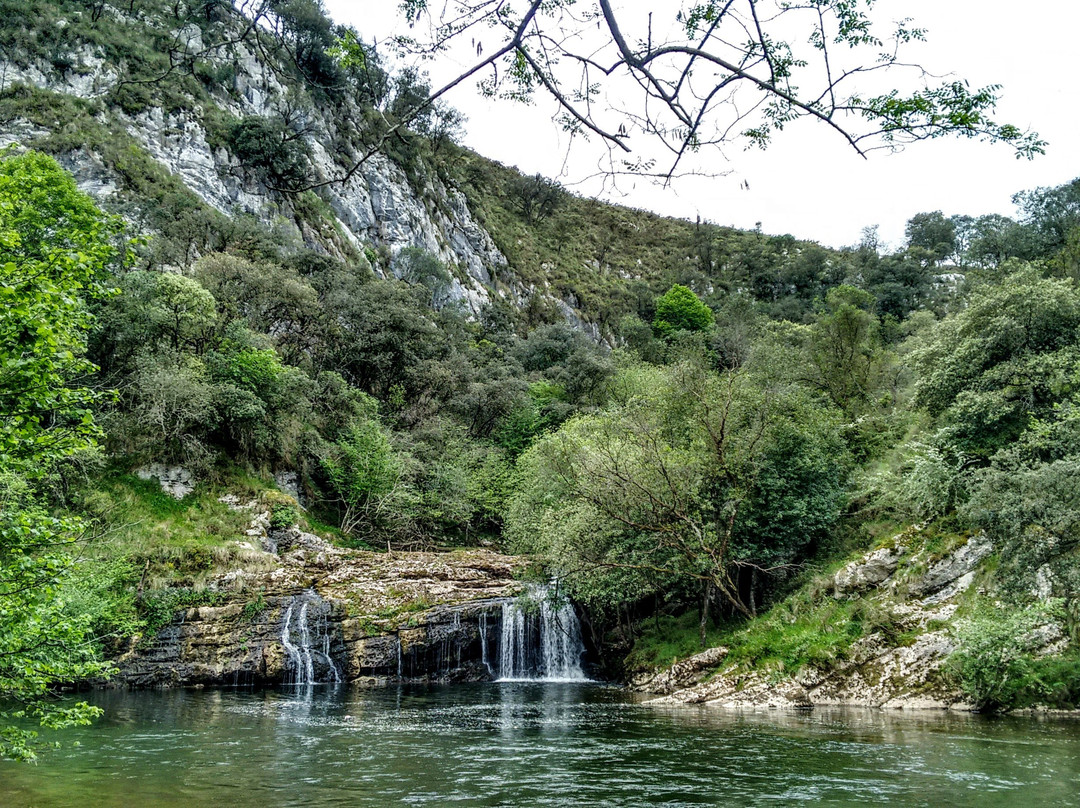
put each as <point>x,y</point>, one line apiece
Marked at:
<point>665,640</point>
<point>54,248</point>
<point>283,516</point>
<point>996,665</point>
<point>278,156</point>
<point>363,473</point>
<point>1007,357</point>
<point>175,542</point>
<point>417,266</point>
<point>691,477</point>
<point>160,606</point>
<point>679,309</point>
<point>933,233</point>
<point>254,608</point>
<point>535,198</point>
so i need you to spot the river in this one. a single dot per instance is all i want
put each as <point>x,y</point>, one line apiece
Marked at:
<point>533,744</point>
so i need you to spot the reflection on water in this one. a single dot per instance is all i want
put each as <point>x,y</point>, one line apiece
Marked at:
<point>534,744</point>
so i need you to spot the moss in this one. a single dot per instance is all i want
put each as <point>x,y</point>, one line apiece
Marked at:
<point>158,608</point>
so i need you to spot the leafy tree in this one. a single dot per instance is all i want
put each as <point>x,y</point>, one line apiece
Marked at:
<point>694,476</point>
<point>1051,213</point>
<point>679,309</point>
<point>535,197</point>
<point>363,473</point>
<point>845,349</point>
<point>1007,357</point>
<point>54,249</point>
<point>417,266</point>
<point>277,155</point>
<point>933,233</point>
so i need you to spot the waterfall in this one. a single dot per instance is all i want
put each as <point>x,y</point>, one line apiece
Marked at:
<point>540,644</point>
<point>484,644</point>
<point>307,642</point>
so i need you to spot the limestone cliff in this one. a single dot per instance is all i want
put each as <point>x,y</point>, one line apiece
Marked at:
<point>373,617</point>
<point>380,207</point>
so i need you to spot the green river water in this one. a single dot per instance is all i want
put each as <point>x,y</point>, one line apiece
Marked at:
<point>527,744</point>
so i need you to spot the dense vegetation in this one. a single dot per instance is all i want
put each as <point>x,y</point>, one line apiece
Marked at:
<point>756,407</point>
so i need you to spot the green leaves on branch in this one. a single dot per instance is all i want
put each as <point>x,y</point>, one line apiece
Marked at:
<point>55,246</point>
<point>692,478</point>
<point>679,309</point>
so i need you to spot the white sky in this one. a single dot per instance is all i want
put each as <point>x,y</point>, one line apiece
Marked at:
<point>808,182</point>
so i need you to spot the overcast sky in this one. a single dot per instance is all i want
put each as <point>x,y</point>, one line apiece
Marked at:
<point>808,182</point>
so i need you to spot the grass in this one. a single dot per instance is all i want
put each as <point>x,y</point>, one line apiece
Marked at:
<point>169,541</point>
<point>668,639</point>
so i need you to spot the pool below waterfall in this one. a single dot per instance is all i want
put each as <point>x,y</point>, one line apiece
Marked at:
<point>533,744</point>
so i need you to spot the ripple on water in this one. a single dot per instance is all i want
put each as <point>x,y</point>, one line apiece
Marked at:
<point>533,744</point>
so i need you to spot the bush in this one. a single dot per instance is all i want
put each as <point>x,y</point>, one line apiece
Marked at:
<point>277,156</point>
<point>996,665</point>
<point>681,310</point>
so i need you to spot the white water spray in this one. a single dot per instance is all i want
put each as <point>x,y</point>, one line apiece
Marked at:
<point>309,659</point>
<point>540,644</point>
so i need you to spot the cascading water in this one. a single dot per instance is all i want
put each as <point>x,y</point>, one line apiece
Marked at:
<point>306,640</point>
<point>539,644</point>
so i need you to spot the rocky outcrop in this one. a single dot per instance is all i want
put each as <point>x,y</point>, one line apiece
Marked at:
<point>345,615</point>
<point>869,571</point>
<point>899,669</point>
<point>176,481</point>
<point>379,205</point>
<point>681,675</point>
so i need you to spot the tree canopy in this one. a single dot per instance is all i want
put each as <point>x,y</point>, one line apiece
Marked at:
<point>54,249</point>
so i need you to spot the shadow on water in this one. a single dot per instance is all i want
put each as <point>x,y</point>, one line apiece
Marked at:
<point>533,743</point>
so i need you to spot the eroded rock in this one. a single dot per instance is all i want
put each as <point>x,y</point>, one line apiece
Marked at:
<point>871,570</point>
<point>176,481</point>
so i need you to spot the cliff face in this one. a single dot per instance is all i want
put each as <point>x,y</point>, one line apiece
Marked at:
<point>377,207</point>
<point>324,614</point>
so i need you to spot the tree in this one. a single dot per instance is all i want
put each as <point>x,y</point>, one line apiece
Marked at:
<point>844,348</point>
<point>933,233</point>
<point>708,73</point>
<point>535,197</point>
<point>693,476</point>
<point>54,250</point>
<point>1008,357</point>
<point>363,473</point>
<point>679,309</point>
<point>416,265</point>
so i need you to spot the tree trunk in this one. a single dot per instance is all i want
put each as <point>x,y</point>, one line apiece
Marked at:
<point>706,598</point>
<point>753,589</point>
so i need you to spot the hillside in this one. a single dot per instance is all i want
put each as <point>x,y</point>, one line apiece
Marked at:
<point>261,381</point>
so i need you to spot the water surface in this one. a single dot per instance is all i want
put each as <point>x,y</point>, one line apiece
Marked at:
<point>520,744</point>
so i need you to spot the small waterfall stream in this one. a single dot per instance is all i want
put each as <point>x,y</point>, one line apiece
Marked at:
<point>538,644</point>
<point>306,641</point>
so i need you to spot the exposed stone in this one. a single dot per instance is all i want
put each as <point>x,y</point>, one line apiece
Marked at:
<point>418,616</point>
<point>1044,583</point>
<point>289,482</point>
<point>681,674</point>
<point>954,566</point>
<point>876,671</point>
<point>176,481</point>
<point>872,570</point>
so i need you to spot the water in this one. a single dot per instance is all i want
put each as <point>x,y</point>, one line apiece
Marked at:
<point>534,744</point>
<point>539,644</point>
<point>308,646</point>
